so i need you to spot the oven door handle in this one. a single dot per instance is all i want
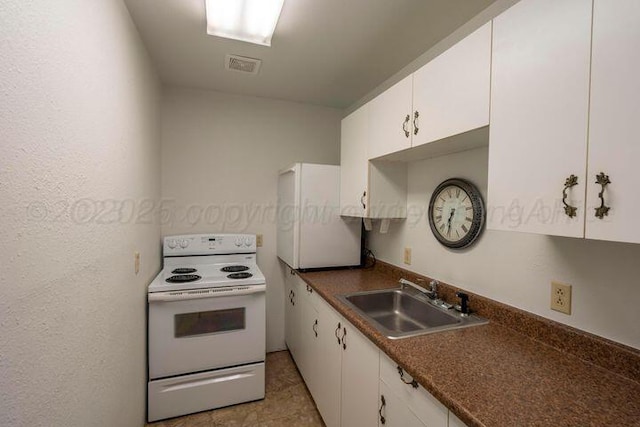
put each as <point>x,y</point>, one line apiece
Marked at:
<point>206,293</point>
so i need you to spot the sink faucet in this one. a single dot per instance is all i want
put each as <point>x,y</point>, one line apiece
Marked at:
<point>432,292</point>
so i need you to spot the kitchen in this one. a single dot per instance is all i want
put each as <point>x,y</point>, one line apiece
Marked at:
<point>109,122</point>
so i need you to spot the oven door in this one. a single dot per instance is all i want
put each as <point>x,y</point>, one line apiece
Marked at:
<point>194,331</point>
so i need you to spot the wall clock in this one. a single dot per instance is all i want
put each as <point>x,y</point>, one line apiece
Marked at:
<point>456,213</point>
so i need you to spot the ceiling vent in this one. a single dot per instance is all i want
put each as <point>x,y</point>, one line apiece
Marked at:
<point>242,64</point>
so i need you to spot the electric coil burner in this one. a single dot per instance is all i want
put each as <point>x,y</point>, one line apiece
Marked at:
<point>234,268</point>
<point>239,275</point>
<point>184,271</point>
<point>183,278</point>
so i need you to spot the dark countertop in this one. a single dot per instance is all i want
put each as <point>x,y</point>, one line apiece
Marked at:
<point>491,375</point>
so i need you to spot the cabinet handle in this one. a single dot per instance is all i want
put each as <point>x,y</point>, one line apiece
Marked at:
<point>415,123</point>
<point>383,403</point>
<point>293,298</point>
<point>602,210</point>
<point>364,194</point>
<point>344,338</point>
<point>405,126</point>
<point>336,333</point>
<point>315,325</point>
<point>309,289</point>
<point>568,183</point>
<point>412,383</point>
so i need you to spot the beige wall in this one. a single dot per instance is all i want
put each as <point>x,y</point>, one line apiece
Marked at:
<point>79,135</point>
<point>221,155</point>
<point>517,268</point>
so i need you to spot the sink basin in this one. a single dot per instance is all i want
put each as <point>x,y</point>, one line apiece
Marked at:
<point>401,313</point>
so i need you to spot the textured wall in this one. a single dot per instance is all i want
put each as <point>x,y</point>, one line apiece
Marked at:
<point>78,136</point>
<point>220,160</point>
<point>517,268</point>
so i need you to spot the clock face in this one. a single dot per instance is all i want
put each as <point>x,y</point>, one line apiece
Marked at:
<point>456,213</point>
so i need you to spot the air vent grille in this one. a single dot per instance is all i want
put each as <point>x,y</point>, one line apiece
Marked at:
<point>242,64</point>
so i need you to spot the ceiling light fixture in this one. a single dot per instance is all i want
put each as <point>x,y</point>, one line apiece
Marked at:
<point>252,21</point>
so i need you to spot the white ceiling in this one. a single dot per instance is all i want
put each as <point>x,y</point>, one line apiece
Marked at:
<point>324,52</point>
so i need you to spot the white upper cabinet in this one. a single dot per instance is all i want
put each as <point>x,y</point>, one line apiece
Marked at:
<point>390,120</point>
<point>366,189</point>
<point>539,116</point>
<point>354,171</point>
<point>451,93</point>
<point>614,144</point>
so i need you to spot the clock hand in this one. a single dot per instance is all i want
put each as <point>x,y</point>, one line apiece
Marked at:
<point>450,218</point>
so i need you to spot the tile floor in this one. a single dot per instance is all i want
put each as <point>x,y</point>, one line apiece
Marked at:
<point>287,403</point>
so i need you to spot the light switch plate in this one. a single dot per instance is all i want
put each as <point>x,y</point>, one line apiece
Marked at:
<point>407,256</point>
<point>258,240</point>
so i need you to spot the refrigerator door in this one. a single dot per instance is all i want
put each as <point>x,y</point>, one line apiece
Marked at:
<point>287,215</point>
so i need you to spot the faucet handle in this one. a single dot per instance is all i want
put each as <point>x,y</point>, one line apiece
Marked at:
<point>464,303</point>
<point>433,285</point>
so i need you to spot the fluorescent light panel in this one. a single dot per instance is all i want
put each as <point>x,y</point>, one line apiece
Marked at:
<point>252,21</point>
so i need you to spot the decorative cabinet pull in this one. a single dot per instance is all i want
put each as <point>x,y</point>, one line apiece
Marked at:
<point>293,298</point>
<point>568,183</point>
<point>344,338</point>
<point>364,194</point>
<point>315,325</point>
<point>602,210</point>
<point>336,333</point>
<point>405,125</point>
<point>412,383</point>
<point>383,403</point>
<point>415,123</point>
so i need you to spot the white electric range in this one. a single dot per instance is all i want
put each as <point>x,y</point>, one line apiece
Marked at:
<point>206,325</point>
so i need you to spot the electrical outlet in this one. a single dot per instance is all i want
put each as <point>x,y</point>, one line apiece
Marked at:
<point>259,240</point>
<point>136,262</point>
<point>407,256</point>
<point>561,297</point>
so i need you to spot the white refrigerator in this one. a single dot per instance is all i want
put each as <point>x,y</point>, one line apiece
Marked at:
<point>311,232</point>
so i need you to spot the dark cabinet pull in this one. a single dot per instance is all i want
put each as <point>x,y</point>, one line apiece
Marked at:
<point>383,403</point>
<point>293,298</point>
<point>315,325</point>
<point>412,383</point>
<point>415,123</point>
<point>602,210</point>
<point>568,183</point>
<point>336,333</point>
<point>364,205</point>
<point>344,338</point>
<point>404,126</point>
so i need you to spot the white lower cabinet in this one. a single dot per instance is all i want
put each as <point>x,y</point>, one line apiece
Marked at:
<point>428,410</point>
<point>347,375</point>
<point>393,411</point>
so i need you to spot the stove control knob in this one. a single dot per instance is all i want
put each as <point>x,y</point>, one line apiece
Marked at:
<point>171,243</point>
<point>248,241</point>
<point>184,244</point>
<point>239,241</point>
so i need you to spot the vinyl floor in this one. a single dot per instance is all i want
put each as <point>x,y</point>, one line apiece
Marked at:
<point>287,403</point>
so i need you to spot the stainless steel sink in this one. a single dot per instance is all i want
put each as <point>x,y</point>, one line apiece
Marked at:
<point>402,313</point>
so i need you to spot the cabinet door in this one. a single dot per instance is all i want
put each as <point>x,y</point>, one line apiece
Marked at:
<point>451,93</point>
<point>360,373</point>
<point>354,163</point>
<point>390,119</point>
<point>394,411</point>
<point>329,363</point>
<point>291,316</point>
<point>539,114</point>
<point>614,146</point>
<point>310,346</point>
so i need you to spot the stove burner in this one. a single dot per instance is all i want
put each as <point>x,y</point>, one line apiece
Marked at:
<point>184,271</point>
<point>234,268</point>
<point>183,278</point>
<point>239,275</point>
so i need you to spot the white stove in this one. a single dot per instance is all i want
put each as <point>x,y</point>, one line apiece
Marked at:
<point>206,325</point>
